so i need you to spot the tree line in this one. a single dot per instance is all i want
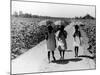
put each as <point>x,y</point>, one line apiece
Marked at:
<point>28,15</point>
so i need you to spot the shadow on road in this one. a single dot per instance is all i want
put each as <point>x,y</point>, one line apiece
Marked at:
<point>66,61</point>
<point>90,57</point>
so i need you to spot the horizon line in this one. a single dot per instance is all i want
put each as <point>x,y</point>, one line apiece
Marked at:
<point>50,16</point>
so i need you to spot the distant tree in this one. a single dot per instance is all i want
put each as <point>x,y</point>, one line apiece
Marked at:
<point>20,13</point>
<point>36,16</point>
<point>88,16</point>
<point>80,17</point>
<point>15,14</point>
<point>26,15</point>
<point>76,17</point>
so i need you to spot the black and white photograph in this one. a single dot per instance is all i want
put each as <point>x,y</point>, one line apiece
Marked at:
<point>52,37</point>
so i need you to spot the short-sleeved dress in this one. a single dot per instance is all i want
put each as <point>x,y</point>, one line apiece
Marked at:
<point>51,42</point>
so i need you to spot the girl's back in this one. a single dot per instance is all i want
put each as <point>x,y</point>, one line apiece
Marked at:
<point>62,39</point>
<point>77,36</point>
<point>62,34</point>
<point>77,33</point>
<point>51,41</point>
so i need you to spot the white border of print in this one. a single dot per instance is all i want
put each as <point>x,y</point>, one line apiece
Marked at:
<point>5,37</point>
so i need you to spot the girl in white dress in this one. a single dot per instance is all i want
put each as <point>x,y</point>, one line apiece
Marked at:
<point>77,41</point>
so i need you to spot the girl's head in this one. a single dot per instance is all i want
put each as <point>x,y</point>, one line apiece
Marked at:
<point>62,27</point>
<point>49,26</point>
<point>49,22</point>
<point>50,29</point>
<point>76,27</point>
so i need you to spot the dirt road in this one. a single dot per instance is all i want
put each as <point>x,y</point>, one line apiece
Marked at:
<point>35,60</point>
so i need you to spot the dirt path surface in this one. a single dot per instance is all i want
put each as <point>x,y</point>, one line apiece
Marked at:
<point>35,60</point>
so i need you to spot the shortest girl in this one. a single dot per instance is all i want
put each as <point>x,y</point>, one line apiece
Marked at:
<point>77,41</point>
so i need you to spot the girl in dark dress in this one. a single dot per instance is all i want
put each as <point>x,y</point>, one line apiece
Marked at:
<point>51,42</point>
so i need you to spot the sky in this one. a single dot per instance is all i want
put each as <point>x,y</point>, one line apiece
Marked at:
<point>54,10</point>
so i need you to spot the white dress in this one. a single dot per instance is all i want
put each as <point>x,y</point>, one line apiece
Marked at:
<point>61,44</point>
<point>76,41</point>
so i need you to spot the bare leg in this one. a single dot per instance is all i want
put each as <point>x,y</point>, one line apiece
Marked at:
<point>53,55</point>
<point>63,54</point>
<point>49,56</point>
<point>75,51</point>
<point>60,53</point>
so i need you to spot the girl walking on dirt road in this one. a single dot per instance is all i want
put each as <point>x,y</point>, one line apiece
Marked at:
<point>77,39</point>
<point>62,45</point>
<point>51,41</point>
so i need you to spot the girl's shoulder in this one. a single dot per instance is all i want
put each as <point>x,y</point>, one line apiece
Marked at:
<point>77,33</point>
<point>63,34</point>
